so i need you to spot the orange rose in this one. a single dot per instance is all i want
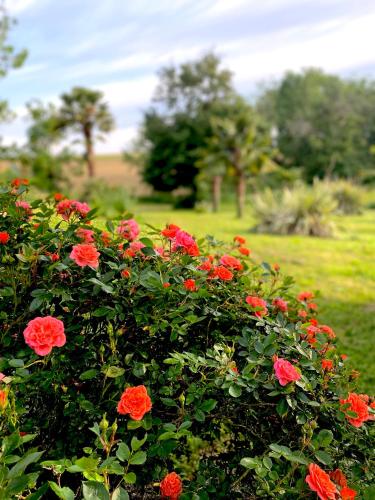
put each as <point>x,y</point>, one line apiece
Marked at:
<point>171,486</point>
<point>135,401</point>
<point>348,494</point>
<point>189,285</point>
<point>3,399</point>
<point>85,255</point>
<point>358,406</point>
<point>223,273</point>
<point>319,481</point>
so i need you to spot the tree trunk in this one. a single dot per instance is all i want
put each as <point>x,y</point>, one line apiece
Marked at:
<point>216,192</point>
<point>241,194</point>
<point>89,152</point>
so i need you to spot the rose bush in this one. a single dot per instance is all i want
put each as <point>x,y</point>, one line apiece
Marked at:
<point>158,366</point>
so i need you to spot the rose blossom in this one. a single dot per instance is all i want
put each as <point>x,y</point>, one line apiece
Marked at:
<point>135,401</point>
<point>348,494</point>
<point>128,229</point>
<point>87,235</point>
<point>319,481</point>
<point>184,241</point>
<point>4,237</point>
<point>26,207</point>
<point>303,296</point>
<point>134,248</point>
<point>85,255</point>
<point>190,285</point>
<point>259,304</point>
<point>3,399</point>
<point>231,262</point>
<point>358,406</point>
<point>244,251</point>
<point>42,334</point>
<point>285,372</point>
<point>170,231</point>
<point>327,365</point>
<point>280,304</point>
<point>171,486</point>
<point>239,239</point>
<point>222,273</point>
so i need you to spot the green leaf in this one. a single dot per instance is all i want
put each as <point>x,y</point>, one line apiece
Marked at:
<point>138,458</point>
<point>120,494</point>
<point>325,438</point>
<point>114,371</point>
<point>64,493</point>
<point>103,286</point>
<point>282,407</point>
<point>16,363</point>
<point>249,463</point>
<point>20,466</point>
<point>92,490</point>
<point>123,452</point>
<point>323,457</point>
<point>235,391</point>
<point>208,405</point>
<point>130,478</point>
<point>137,443</point>
<point>88,374</point>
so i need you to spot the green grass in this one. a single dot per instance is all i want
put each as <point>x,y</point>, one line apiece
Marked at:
<point>342,268</point>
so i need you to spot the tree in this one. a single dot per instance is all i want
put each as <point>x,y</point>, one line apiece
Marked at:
<point>179,121</point>
<point>84,111</point>
<point>241,142</point>
<point>10,58</point>
<point>323,124</point>
<point>42,157</point>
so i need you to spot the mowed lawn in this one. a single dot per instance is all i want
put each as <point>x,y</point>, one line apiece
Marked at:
<point>342,268</point>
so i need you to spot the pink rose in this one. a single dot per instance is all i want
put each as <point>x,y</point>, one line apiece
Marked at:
<point>128,229</point>
<point>41,334</point>
<point>285,372</point>
<point>85,255</point>
<point>87,235</point>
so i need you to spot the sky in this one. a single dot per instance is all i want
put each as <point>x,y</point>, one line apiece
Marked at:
<point>117,46</point>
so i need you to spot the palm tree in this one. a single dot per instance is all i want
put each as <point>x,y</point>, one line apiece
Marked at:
<point>242,144</point>
<point>84,111</point>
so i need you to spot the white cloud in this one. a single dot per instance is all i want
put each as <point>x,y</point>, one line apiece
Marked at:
<point>134,93</point>
<point>117,140</point>
<point>335,46</point>
<point>17,6</point>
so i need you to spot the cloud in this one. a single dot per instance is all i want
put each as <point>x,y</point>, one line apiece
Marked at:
<point>17,6</point>
<point>117,140</point>
<point>126,93</point>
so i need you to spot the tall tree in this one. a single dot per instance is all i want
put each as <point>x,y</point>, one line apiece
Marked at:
<point>323,124</point>
<point>243,143</point>
<point>179,121</point>
<point>84,111</point>
<point>10,57</point>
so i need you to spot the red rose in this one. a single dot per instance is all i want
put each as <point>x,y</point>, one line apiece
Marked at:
<point>190,285</point>
<point>166,285</point>
<point>42,334</point>
<point>358,406</point>
<point>135,401</point>
<point>285,372</point>
<point>327,365</point>
<point>125,273</point>
<point>319,481</point>
<point>239,239</point>
<point>258,304</point>
<point>170,231</point>
<point>171,486</point>
<point>280,304</point>
<point>86,235</point>
<point>85,255</point>
<point>128,229</point>
<point>244,251</point>
<point>3,399</point>
<point>231,262</point>
<point>223,273</point>
<point>303,296</point>
<point>348,494</point>
<point>205,266</point>
<point>328,330</point>
<point>58,196</point>
<point>19,182</point>
<point>4,237</point>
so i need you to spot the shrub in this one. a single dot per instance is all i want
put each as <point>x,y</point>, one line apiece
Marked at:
<point>349,197</point>
<point>301,210</point>
<point>109,200</point>
<point>165,365</point>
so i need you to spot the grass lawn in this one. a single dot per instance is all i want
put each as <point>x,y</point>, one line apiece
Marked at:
<point>342,268</point>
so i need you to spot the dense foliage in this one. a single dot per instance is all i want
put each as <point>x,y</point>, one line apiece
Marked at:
<point>145,366</point>
<point>323,123</point>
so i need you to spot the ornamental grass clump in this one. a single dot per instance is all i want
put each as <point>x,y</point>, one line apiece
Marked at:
<point>155,365</point>
<point>304,210</point>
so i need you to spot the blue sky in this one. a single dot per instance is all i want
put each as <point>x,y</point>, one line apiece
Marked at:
<point>117,46</point>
